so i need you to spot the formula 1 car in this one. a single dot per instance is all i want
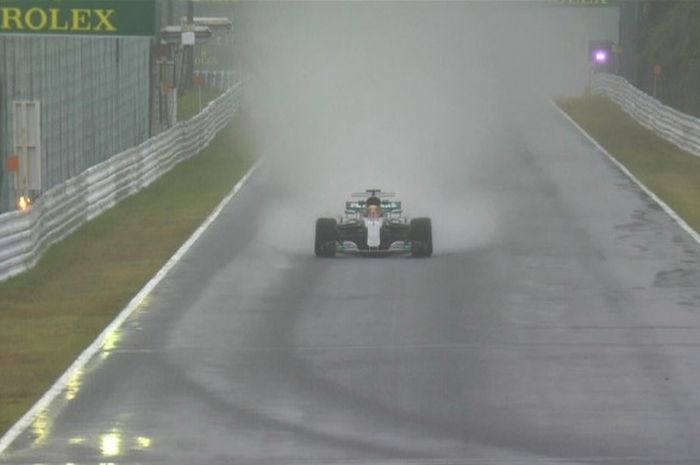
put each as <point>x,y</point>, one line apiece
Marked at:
<point>373,224</point>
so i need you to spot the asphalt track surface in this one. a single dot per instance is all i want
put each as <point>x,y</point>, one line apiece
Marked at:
<point>571,335</point>
<point>557,322</point>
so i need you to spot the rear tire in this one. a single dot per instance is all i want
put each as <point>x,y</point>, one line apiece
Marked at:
<point>326,237</point>
<point>421,237</point>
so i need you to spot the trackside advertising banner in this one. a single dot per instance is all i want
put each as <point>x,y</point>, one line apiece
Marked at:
<point>584,2</point>
<point>78,17</point>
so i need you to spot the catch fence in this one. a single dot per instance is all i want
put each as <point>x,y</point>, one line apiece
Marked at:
<point>92,94</point>
<point>25,235</point>
<point>219,80</point>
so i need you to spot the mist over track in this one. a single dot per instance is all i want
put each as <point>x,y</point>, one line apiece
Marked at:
<point>557,322</point>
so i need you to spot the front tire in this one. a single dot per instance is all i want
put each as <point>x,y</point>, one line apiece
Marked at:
<point>421,237</point>
<point>326,237</point>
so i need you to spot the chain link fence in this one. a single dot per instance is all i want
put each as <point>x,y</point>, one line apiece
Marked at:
<point>94,100</point>
<point>25,235</point>
<point>219,80</point>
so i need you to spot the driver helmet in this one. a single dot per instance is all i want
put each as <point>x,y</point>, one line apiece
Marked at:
<point>374,206</point>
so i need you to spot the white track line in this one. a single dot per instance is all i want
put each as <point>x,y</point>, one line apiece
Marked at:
<point>676,217</point>
<point>60,385</point>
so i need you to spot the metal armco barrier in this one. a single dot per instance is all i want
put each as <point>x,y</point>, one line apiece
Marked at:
<point>25,235</point>
<point>220,80</point>
<point>678,128</point>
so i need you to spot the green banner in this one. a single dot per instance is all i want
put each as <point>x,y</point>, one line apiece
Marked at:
<point>78,17</point>
<point>584,2</point>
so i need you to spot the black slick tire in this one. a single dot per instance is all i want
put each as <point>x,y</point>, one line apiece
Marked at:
<point>421,237</point>
<point>326,237</point>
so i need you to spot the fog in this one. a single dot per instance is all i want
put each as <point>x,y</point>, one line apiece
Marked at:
<point>422,99</point>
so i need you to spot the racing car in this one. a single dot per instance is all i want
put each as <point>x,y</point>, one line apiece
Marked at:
<point>373,224</point>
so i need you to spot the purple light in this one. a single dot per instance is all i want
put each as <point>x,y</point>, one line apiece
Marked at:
<point>600,56</point>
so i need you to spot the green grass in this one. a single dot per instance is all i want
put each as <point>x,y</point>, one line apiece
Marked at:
<point>671,173</point>
<point>50,313</point>
<point>188,104</point>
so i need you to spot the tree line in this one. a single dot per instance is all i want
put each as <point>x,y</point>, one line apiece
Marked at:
<point>663,36</point>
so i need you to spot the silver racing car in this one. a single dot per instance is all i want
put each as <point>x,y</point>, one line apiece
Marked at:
<point>373,224</point>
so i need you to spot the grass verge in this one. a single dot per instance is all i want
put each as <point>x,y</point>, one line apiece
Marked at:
<point>671,173</point>
<point>50,313</point>
<point>194,101</point>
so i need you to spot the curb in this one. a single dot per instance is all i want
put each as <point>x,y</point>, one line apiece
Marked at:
<point>664,206</point>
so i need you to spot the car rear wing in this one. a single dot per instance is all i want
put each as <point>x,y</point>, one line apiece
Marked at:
<point>373,193</point>
<point>359,206</point>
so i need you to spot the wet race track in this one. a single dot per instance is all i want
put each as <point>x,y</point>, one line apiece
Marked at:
<point>557,322</point>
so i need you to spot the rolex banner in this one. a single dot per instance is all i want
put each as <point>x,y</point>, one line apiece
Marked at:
<point>78,17</point>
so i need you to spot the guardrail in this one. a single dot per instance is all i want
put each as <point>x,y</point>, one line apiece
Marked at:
<point>25,235</point>
<point>679,128</point>
<point>220,80</point>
